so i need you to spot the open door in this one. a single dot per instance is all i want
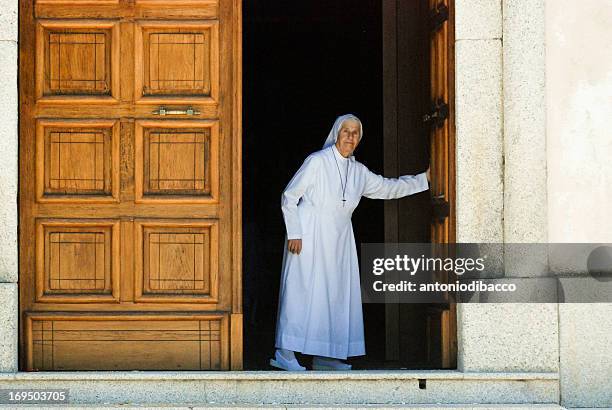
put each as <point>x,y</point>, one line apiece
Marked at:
<point>418,95</point>
<point>442,319</point>
<point>130,195</point>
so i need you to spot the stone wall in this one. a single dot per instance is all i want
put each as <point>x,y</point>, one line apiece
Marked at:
<point>501,173</point>
<point>579,148</point>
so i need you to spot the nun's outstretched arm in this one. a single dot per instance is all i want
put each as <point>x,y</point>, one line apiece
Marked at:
<point>379,187</point>
<point>301,181</point>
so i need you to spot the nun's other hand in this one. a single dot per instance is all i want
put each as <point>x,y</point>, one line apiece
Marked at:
<point>294,245</point>
<point>428,174</point>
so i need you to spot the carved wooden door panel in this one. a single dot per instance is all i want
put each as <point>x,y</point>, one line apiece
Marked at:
<point>130,185</point>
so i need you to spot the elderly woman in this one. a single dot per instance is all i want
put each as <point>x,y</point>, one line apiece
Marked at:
<point>320,310</point>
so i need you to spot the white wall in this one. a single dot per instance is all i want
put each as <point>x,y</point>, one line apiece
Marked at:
<point>579,161</point>
<point>579,104</point>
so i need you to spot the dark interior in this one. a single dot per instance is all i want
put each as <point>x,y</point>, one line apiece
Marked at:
<point>305,63</point>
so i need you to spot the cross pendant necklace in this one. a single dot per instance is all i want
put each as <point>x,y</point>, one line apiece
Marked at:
<point>340,175</point>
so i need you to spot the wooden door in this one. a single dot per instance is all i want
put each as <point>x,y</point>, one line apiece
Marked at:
<point>442,319</point>
<point>130,184</point>
<point>418,100</point>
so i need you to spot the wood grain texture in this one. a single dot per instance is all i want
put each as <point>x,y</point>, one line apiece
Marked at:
<point>236,176</point>
<point>418,73</point>
<point>443,134</point>
<point>77,61</point>
<point>119,342</point>
<point>236,354</point>
<point>77,161</point>
<point>123,212</point>
<point>443,171</point>
<point>126,9</point>
<point>184,151</point>
<point>77,260</point>
<point>176,62</point>
<point>176,261</point>
<point>76,2</point>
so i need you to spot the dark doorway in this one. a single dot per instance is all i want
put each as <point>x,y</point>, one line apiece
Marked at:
<point>304,64</point>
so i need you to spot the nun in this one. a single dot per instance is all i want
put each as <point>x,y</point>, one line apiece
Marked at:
<point>320,312</point>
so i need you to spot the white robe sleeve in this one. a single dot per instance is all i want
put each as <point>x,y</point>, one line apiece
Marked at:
<point>301,181</point>
<point>379,187</point>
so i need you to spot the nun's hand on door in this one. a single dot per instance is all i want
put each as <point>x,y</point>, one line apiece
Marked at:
<point>294,245</point>
<point>428,174</point>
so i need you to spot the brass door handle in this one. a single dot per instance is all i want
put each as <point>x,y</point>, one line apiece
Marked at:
<point>163,111</point>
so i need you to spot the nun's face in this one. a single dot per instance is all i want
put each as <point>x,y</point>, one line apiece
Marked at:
<point>348,137</point>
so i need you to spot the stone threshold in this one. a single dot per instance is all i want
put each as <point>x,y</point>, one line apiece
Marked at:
<point>308,407</point>
<point>313,407</point>
<point>253,375</point>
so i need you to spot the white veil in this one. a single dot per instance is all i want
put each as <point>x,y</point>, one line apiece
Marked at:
<point>333,134</point>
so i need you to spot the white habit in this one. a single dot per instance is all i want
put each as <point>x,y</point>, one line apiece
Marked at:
<point>320,297</point>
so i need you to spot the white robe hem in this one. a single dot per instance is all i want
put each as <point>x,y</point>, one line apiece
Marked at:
<point>320,348</point>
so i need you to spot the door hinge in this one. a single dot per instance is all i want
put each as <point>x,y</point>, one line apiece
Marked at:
<point>440,208</point>
<point>438,114</point>
<point>438,17</point>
